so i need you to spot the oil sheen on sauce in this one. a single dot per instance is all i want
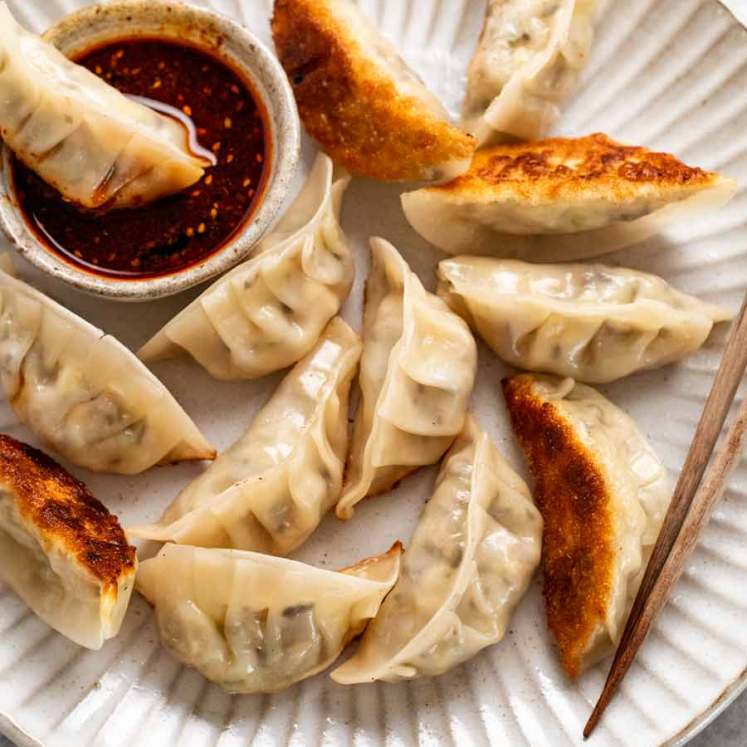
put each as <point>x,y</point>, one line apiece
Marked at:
<point>226,124</point>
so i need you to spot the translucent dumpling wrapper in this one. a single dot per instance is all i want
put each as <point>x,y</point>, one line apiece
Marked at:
<point>270,490</point>
<point>61,551</point>
<point>473,553</point>
<point>358,98</point>
<point>527,62</point>
<point>603,494</point>
<point>416,375</point>
<point>256,623</point>
<point>562,199</point>
<point>590,322</point>
<point>85,393</point>
<point>82,136</point>
<point>268,312</point>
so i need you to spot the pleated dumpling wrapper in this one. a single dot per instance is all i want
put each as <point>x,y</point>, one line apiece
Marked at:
<point>270,490</point>
<point>474,551</point>
<point>61,551</point>
<point>603,494</point>
<point>591,322</point>
<point>256,623</point>
<point>562,199</point>
<point>85,393</point>
<point>527,62</point>
<point>416,376</point>
<point>268,312</point>
<point>358,98</point>
<point>82,136</point>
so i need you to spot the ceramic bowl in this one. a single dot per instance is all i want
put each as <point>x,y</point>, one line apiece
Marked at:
<point>243,52</point>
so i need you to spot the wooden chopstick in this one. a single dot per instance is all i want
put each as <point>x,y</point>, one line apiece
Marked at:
<point>687,512</point>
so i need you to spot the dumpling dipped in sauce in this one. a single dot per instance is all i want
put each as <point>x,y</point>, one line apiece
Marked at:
<point>83,137</point>
<point>179,76</point>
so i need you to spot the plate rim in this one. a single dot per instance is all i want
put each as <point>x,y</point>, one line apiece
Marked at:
<point>10,729</point>
<point>13,731</point>
<point>729,694</point>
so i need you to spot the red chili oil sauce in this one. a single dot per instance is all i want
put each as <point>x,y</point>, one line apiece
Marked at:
<point>182,229</point>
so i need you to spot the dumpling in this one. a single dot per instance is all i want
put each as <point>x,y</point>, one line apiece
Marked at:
<point>473,553</point>
<point>255,623</point>
<point>268,312</point>
<point>527,62</point>
<point>61,551</point>
<point>82,136</point>
<point>562,199</point>
<point>590,322</point>
<point>359,100</point>
<point>270,490</point>
<point>603,493</point>
<point>417,372</point>
<point>84,392</point>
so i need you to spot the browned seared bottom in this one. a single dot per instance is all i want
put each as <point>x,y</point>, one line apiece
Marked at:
<point>573,498</point>
<point>64,511</point>
<point>354,111</point>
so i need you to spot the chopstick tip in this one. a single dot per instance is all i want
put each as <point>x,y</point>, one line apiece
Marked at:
<point>591,724</point>
<point>600,707</point>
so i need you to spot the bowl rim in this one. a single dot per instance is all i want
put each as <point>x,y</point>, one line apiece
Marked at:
<point>274,92</point>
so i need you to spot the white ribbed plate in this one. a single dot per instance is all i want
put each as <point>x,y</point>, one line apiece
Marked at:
<point>670,74</point>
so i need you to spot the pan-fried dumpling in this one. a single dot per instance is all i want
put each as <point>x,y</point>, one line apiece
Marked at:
<point>590,322</point>
<point>61,551</point>
<point>359,100</point>
<point>527,62</point>
<point>255,623</point>
<point>473,553</point>
<point>84,392</point>
<point>417,372</point>
<point>270,490</point>
<point>268,312</point>
<point>83,137</point>
<point>562,199</point>
<point>603,493</point>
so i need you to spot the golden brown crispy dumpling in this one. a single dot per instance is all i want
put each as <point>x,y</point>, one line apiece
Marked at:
<point>360,100</point>
<point>561,199</point>
<point>61,551</point>
<point>603,493</point>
